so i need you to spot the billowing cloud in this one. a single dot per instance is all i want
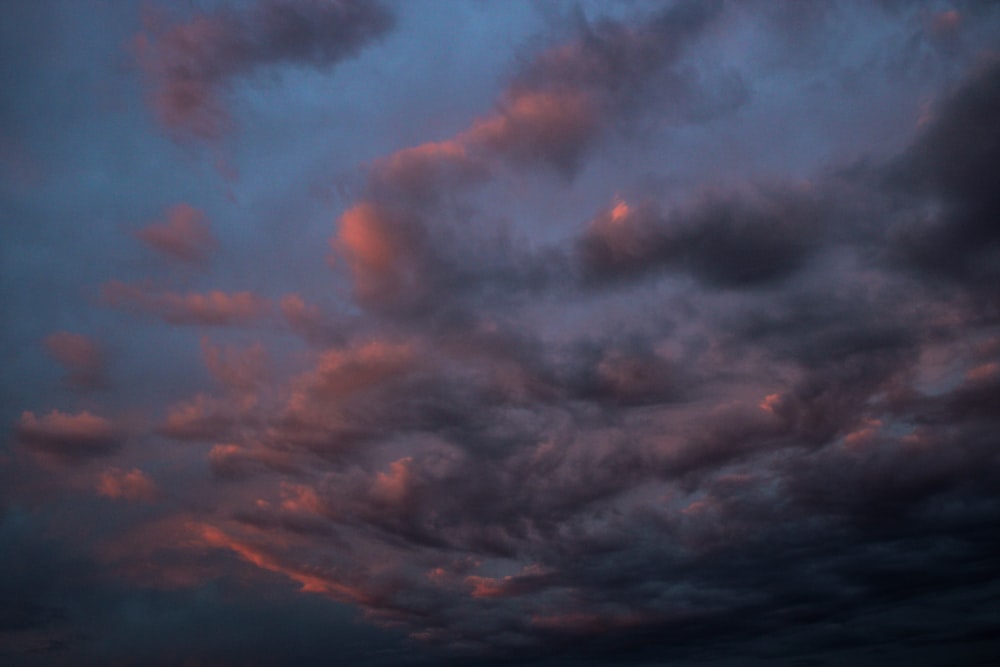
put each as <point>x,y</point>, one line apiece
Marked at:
<point>550,116</point>
<point>184,235</point>
<point>681,347</point>
<point>308,320</point>
<point>191,64</point>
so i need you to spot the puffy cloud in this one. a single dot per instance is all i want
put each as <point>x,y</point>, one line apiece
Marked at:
<point>190,64</point>
<point>216,308</point>
<point>80,356</point>
<point>132,485</point>
<point>184,235</point>
<point>382,247</point>
<point>557,108</point>
<point>68,436</point>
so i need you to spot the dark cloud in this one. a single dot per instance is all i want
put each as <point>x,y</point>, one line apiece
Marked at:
<point>68,436</point>
<point>746,418</point>
<point>953,231</point>
<point>724,240</point>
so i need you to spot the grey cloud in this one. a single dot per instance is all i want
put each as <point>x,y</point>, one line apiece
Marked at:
<point>948,171</point>
<point>724,240</point>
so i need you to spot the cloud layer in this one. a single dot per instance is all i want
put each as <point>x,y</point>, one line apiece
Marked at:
<point>683,348</point>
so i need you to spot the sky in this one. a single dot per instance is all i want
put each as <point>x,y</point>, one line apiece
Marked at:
<point>520,333</point>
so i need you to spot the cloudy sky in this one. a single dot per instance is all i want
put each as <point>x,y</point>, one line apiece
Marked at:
<point>543,333</point>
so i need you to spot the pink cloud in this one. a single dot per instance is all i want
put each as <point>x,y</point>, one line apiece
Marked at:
<point>231,461</point>
<point>68,436</point>
<point>184,235</point>
<point>530,126</point>
<point>381,257</point>
<point>392,486</point>
<point>311,580</point>
<point>131,485</point>
<point>343,371</point>
<point>201,418</point>
<point>189,64</point>
<point>307,320</point>
<point>422,171</point>
<point>559,106</point>
<point>241,369</point>
<point>80,356</point>
<point>216,308</point>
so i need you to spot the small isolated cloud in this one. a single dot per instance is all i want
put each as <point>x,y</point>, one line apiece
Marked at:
<point>189,65</point>
<point>68,436</point>
<point>215,308</point>
<point>131,485</point>
<point>184,235</point>
<point>80,356</point>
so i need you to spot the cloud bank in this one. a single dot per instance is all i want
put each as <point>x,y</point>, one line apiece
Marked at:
<point>653,359</point>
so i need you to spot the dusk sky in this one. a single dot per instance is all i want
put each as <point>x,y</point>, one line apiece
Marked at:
<point>495,332</point>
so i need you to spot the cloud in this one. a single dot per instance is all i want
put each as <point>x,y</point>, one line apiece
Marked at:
<point>81,357</point>
<point>239,369</point>
<point>183,236</point>
<point>723,240</point>
<point>68,436</point>
<point>641,475</point>
<point>741,414</point>
<point>532,127</point>
<point>215,308</point>
<point>190,65</point>
<point>309,321</point>
<point>557,108</point>
<point>946,171</point>
<point>203,418</point>
<point>132,485</point>
<point>383,251</point>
